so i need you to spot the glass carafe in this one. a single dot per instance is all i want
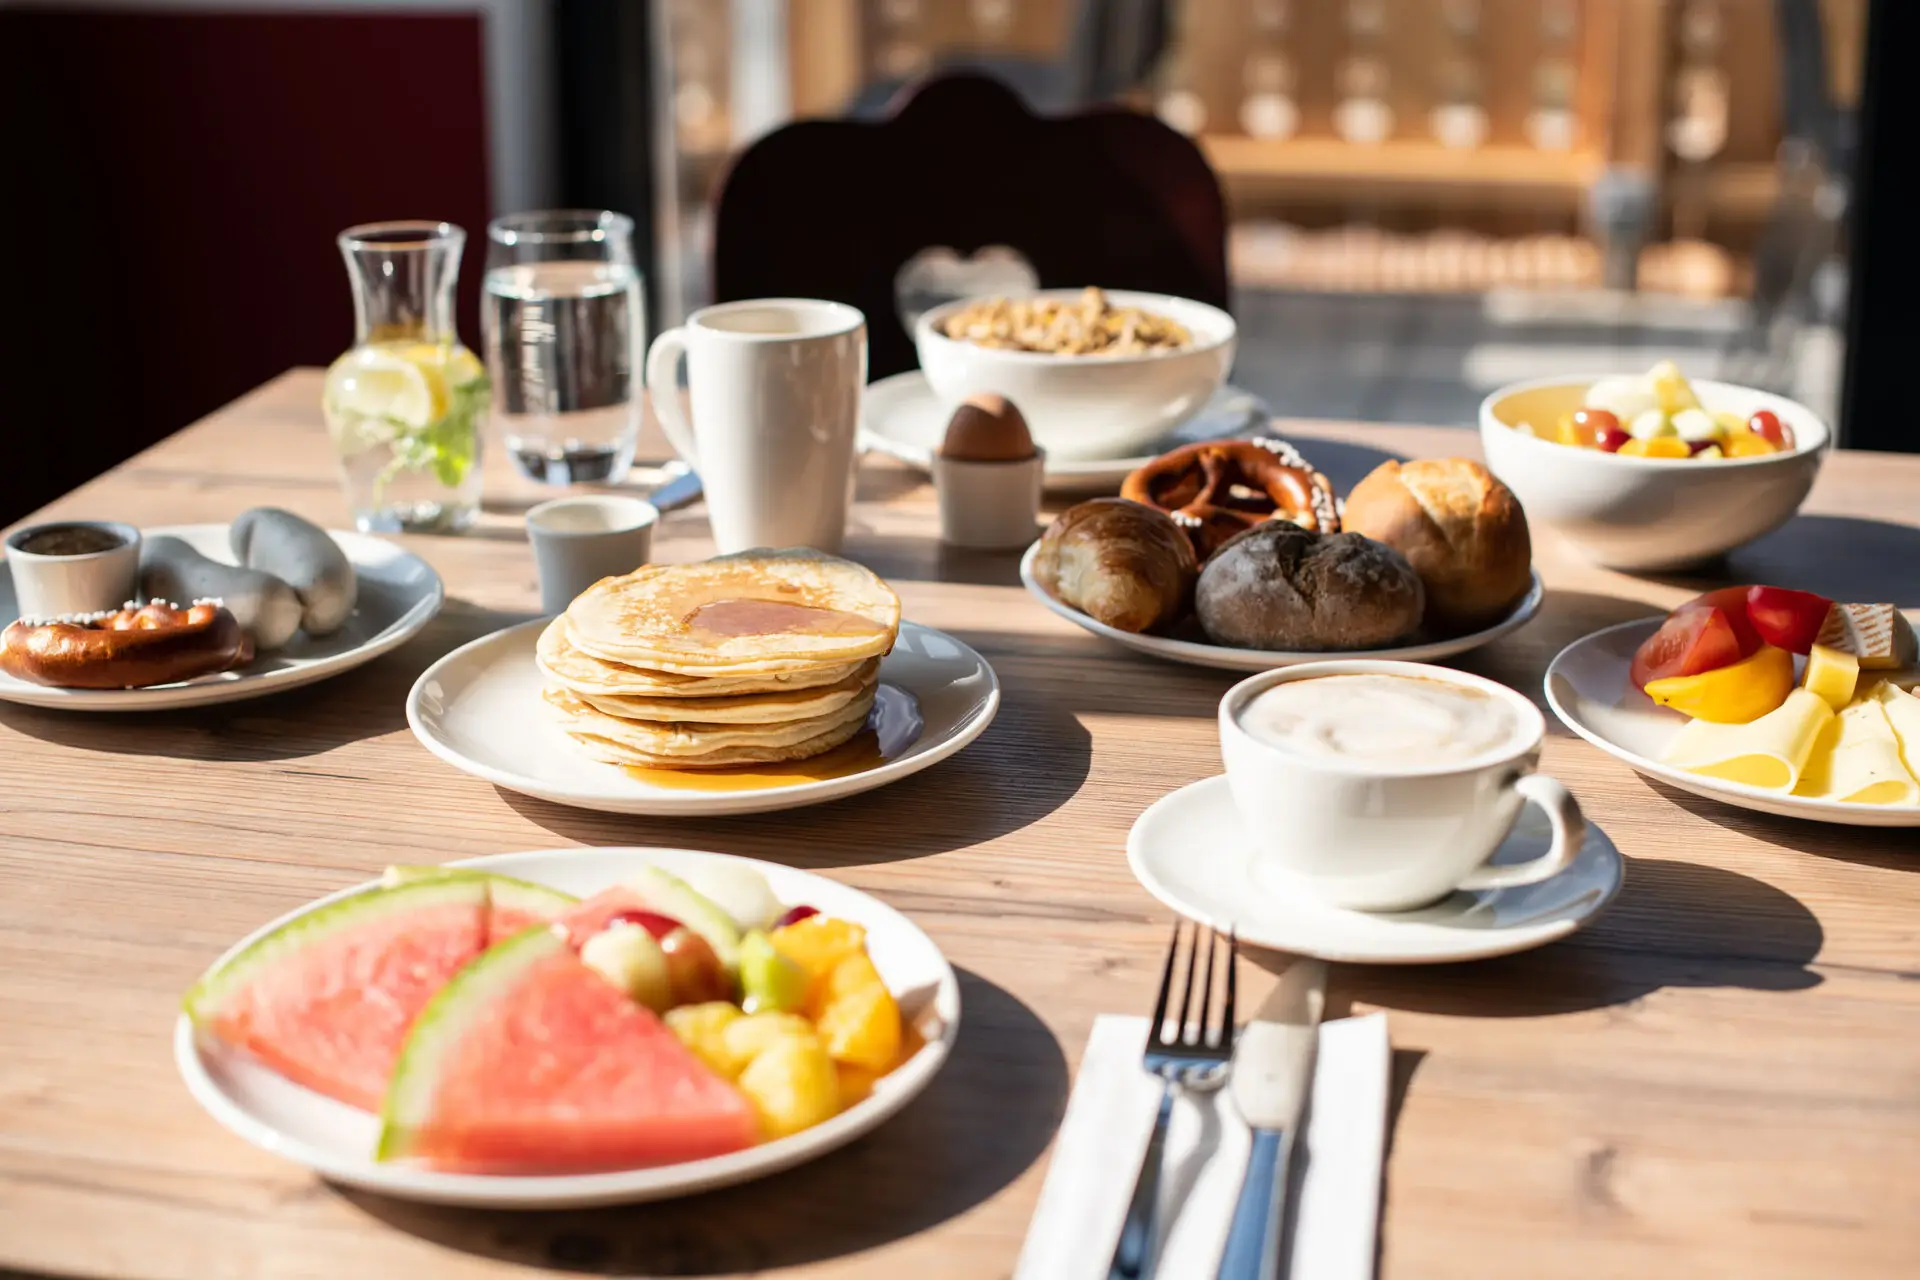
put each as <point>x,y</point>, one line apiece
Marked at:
<point>407,403</point>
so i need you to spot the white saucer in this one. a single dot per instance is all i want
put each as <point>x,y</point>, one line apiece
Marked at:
<point>1191,852</point>
<point>1199,653</point>
<point>900,417</point>
<point>479,709</point>
<point>399,593</point>
<point>336,1141</point>
<point>1589,688</point>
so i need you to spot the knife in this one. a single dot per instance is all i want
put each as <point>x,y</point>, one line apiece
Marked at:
<point>1272,1072</point>
<point>677,492</point>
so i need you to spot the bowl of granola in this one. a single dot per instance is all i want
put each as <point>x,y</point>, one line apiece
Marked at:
<point>1097,374</point>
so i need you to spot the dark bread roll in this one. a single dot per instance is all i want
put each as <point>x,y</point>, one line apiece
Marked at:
<point>1278,586</point>
<point>1462,530</point>
<point>1118,562</point>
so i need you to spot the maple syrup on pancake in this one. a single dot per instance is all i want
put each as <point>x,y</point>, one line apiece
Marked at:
<point>755,617</point>
<point>893,725</point>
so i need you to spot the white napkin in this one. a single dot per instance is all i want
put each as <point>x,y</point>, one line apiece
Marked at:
<point>1110,1117</point>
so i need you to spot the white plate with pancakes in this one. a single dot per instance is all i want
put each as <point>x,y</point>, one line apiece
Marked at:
<point>1201,653</point>
<point>398,593</point>
<point>901,417</point>
<point>1589,686</point>
<point>743,684</point>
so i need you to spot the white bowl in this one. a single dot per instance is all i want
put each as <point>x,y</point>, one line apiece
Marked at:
<point>1649,513</point>
<point>1087,407</point>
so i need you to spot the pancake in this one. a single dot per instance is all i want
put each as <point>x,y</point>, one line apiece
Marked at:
<point>751,614</point>
<point>584,674</point>
<point>609,752</point>
<point>673,741</point>
<point>780,707</point>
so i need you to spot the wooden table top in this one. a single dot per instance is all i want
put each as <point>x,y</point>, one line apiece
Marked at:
<point>1721,1077</point>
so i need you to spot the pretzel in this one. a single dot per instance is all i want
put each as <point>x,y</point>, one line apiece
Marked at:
<point>1218,488</point>
<point>131,647</point>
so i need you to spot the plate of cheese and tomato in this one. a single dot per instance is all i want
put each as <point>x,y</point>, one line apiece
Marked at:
<point>1770,699</point>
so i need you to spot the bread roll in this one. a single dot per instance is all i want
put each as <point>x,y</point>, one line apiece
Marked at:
<point>1462,530</point>
<point>1118,562</point>
<point>1278,586</point>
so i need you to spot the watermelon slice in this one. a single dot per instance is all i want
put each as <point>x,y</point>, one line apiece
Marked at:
<point>327,999</point>
<point>513,903</point>
<point>528,1061</point>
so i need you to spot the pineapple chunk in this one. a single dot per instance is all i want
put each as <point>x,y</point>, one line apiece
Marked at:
<point>1670,388</point>
<point>748,1037</point>
<point>791,1084</point>
<point>1832,674</point>
<point>817,944</point>
<point>1650,425</point>
<point>858,1017</point>
<point>703,1029</point>
<point>1745,444</point>
<point>1659,447</point>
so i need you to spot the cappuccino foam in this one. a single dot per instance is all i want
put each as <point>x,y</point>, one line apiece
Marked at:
<point>1391,720</point>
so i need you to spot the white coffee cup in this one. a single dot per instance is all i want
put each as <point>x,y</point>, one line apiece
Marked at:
<point>578,541</point>
<point>774,389</point>
<point>1385,835</point>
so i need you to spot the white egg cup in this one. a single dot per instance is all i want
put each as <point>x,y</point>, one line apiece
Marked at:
<point>989,506</point>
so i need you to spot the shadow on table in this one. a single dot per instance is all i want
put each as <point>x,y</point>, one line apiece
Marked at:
<point>366,702</point>
<point>1841,557</point>
<point>1030,761</point>
<point>1564,617</point>
<point>1675,924</point>
<point>985,1118</point>
<point>1888,848</point>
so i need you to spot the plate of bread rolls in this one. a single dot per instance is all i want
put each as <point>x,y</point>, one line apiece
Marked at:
<point>1238,554</point>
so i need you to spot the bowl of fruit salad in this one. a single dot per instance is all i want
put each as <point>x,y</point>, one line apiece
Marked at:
<point>1652,471</point>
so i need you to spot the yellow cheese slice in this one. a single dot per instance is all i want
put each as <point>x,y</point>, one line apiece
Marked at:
<point>1831,673</point>
<point>1769,752</point>
<point>1903,713</point>
<point>1857,759</point>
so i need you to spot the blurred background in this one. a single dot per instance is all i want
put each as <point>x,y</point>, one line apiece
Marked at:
<point>1427,198</point>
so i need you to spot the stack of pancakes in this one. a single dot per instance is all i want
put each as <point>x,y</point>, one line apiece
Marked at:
<point>745,659</point>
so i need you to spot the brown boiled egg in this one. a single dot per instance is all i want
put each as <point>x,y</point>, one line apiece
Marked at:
<point>987,428</point>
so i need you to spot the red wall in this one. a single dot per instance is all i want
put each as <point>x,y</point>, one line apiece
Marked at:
<point>170,187</point>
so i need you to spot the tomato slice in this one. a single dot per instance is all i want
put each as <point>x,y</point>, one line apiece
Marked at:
<point>1693,639</point>
<point>1733,602</point>
<point>1787,619</point>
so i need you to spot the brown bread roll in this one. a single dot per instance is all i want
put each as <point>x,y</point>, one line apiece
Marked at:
<point>1462,530</point>
<point>1278,586</point>
<point>1118,562</point>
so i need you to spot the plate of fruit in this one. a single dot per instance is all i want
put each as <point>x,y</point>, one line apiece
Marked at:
<point>569,1028</point>
<point>1770,699</point>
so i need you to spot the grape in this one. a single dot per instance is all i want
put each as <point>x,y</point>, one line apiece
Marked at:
<point>693,970</point>
<point>794,915</point>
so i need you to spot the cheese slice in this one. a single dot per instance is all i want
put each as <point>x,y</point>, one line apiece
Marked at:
<point>1903,713</point>
<point>1857,759</point>
<point>1877,634</point>
<point>1769,753</point>
<point>1833,674</point>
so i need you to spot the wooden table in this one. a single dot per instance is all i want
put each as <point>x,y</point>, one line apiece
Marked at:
<point>1720,1078</point>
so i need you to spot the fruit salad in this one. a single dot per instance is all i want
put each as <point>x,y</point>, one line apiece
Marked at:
<point>1658,415</point>
<point>500,1026</point>
<point>1790,692</point>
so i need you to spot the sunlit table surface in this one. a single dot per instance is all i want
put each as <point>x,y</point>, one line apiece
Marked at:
<point>1721,1077</point>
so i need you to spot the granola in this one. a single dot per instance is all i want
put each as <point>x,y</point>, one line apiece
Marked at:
<point>1088,326</point>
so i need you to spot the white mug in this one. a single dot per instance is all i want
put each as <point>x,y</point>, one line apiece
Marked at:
<point>774,393</point>
<point>1383,837</point>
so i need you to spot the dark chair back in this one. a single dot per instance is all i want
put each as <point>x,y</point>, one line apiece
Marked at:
<point>834,209</point>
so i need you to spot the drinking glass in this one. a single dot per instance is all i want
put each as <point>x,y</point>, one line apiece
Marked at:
<point>564,328</point>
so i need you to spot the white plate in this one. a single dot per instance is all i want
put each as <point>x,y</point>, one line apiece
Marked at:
<point>1196,653</point>
<point>1191,851</point>
<point>399,593</point>
<point>336,1141</point>
<point>1590,689</point>
<point>479,709</point>
<point>900,417</point>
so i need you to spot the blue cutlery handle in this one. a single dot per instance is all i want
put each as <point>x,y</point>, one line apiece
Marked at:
<point>1253,1242</point>
<point>1137,1255</point>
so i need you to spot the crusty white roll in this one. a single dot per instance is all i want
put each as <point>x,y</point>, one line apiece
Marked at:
<point>1463,532</point>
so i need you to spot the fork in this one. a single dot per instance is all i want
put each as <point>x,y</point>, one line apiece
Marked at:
<point>1185,1057</point>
